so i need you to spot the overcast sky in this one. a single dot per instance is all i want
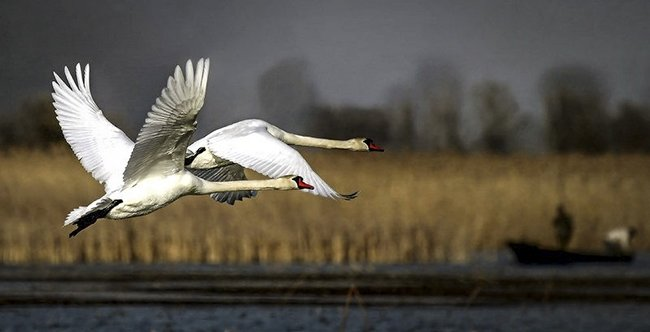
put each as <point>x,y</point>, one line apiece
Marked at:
<point>356,49</point>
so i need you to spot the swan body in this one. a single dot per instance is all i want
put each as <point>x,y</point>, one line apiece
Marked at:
<point>154,193</point>
<point>150,194</point>
<point>149,174</point>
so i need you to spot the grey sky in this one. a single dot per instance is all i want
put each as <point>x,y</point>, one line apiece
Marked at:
<point>356,49</point>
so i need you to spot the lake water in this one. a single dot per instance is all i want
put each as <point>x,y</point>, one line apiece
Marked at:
<point>480,296</point>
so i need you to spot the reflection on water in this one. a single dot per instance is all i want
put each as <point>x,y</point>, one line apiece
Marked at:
<point>482,296</point>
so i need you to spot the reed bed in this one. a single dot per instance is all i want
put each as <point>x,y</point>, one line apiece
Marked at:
<point>412,207</point>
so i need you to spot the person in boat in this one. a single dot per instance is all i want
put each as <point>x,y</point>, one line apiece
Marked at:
<point>618,240</point>
<point>563,225</point>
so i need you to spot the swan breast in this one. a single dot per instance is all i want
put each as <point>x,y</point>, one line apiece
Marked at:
<point>150,194</point>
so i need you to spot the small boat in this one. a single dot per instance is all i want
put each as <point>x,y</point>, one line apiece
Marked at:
<point>530,253</point>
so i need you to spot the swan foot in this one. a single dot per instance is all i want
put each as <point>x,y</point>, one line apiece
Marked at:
<point>82,224</point>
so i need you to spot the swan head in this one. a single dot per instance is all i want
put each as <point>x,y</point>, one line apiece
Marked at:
<point>370,145</point>
<point>190,156</point>
<point>200,159</point>
<point>300,184</point>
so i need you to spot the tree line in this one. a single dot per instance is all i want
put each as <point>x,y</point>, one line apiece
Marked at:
<point>424,114</point>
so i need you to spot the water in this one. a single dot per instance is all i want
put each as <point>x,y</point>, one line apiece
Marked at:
<point>556,317</point>
<point>481,296</point>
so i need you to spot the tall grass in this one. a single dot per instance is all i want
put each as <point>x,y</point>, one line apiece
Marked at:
<point>411,208</point>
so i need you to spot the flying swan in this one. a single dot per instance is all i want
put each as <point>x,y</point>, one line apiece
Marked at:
<point>148,175</point>
<point>262,147</point>
<point>220,156</point>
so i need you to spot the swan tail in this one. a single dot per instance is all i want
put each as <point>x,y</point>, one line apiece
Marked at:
<point>84,216</point>
<point>75,215</point>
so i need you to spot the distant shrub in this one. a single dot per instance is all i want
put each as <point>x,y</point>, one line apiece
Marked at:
<point>498,115</point>
<point>349,122</point>
<point>576,118</point>
<point>630,128</point>
<point>34,125</point>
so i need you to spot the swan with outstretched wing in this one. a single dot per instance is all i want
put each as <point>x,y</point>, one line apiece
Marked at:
<point>154,173</point>
<point>220,156</point>
<point>264,148</point>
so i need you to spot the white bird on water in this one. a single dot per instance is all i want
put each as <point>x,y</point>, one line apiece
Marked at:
<point>148,175</point>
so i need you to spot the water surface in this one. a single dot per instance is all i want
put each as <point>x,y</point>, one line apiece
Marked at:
<point>480,296</point>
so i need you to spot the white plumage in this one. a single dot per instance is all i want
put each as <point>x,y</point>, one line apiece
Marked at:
<point>104,149</point>
<point>250,144</point>
<point>142,177</point>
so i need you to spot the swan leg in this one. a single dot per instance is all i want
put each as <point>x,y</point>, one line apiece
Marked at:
<point>90,218</point>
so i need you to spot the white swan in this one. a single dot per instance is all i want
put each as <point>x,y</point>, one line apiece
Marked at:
<point>141,178</point>
<point>220,156</point>
<point>262,147</point>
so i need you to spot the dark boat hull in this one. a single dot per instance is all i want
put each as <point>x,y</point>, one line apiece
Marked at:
<point>528,253</point>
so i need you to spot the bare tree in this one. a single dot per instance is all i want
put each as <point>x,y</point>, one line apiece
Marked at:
<point>286,93</point>
<point>631,128</point>
<point>437,90</point>
<point>498,115</point>
<point>35,123</point>
<point>348,122</point>
<point>405,127</point>
<point>400,107</point>
<point>576,119</point>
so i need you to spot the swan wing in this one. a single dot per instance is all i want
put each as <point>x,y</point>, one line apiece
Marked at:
<point>102,148</point>
<point>255,148</point>
<point>162,142</point>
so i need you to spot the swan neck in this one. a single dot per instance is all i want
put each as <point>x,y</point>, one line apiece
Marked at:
<point>208,187</point>
<point>299,140</point>
<point>324,143</point>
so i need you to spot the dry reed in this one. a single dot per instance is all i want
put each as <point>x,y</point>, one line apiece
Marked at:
<point>411,208</point>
